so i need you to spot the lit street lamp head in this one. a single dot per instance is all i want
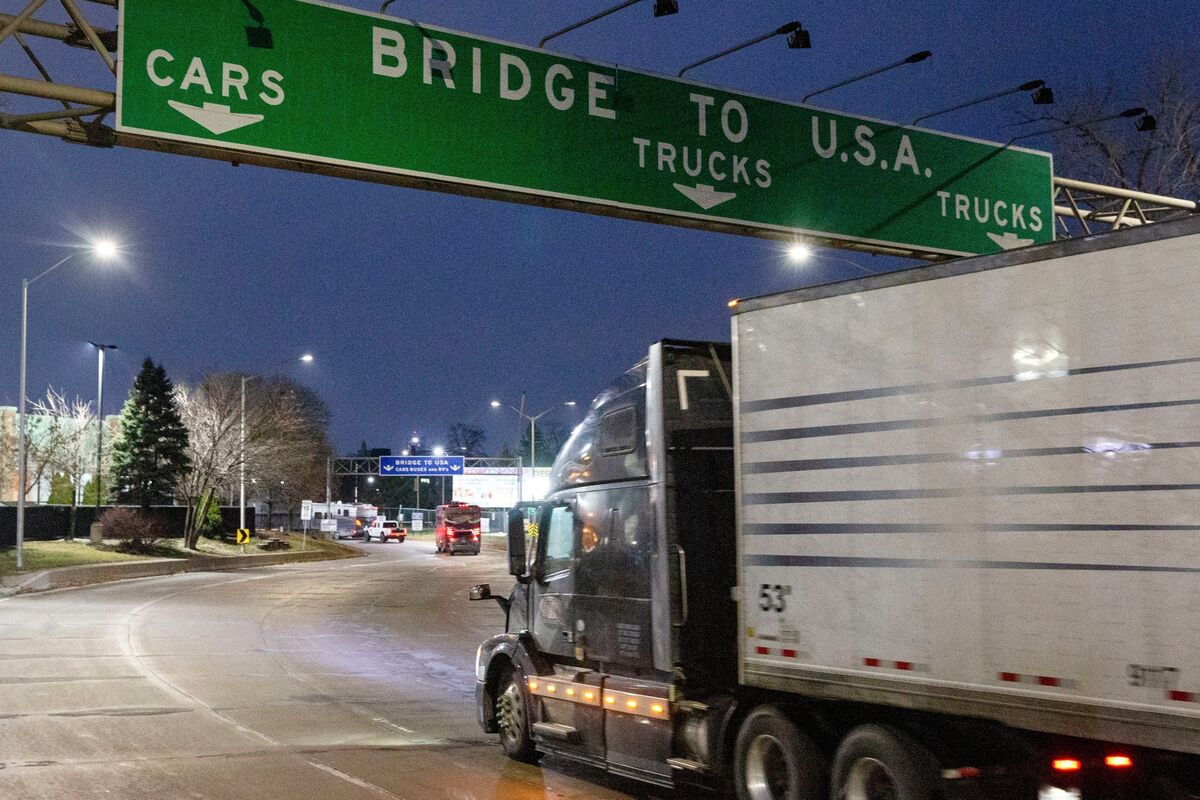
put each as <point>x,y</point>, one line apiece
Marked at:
<point>495,404</point>
<point>798,252</point>
<point>307,358</point>
<point>105,249</point>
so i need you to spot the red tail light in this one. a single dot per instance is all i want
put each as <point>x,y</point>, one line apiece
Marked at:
<point>1118,762</point>
<point>1066,765</point>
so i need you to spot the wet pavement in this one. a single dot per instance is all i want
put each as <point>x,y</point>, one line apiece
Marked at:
<point>346,679</point>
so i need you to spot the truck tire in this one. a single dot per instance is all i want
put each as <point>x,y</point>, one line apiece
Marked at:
<point>512,717</point>
<point>875,762</point>
<point>774,760</point>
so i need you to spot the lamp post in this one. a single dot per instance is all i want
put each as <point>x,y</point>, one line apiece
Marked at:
<point>533,418</point>
<point>103,250</point>
<point>440,451</point>
<point>798,39</point>
<point>99,479</point>
<point>915,58</point>
<point>307,358</point>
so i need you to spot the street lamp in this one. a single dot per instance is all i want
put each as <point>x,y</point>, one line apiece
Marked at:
<point>798,39</point>
<point>915,58</point>
<point>99,479</point>
<point>532,424</point>
<point>104,250</point>
<point>307,358</point>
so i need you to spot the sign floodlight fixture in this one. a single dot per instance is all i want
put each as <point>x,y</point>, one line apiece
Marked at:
<point>798,39</point>
<point>1042,95</point>
<point>915,58</point>
<point>662,8</point>
<point>1145,124</point>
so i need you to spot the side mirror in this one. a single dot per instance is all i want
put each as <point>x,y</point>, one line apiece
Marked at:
<point>481,592</point>
<point>516,543</point>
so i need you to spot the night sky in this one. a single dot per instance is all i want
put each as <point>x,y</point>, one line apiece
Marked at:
<point>422,307</point>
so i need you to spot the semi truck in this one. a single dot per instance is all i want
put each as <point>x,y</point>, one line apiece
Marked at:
<point>928,534</point>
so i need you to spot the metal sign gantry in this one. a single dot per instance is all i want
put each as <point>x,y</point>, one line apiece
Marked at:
<point>655,173</point>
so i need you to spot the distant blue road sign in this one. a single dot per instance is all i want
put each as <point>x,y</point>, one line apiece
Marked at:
<point>420,466</point>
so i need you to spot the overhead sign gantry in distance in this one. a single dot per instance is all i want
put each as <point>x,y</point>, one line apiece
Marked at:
<point>340,88</point>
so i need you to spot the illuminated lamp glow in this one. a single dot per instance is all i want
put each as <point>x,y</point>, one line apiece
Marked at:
<point>1118,762</point>
<point>1066,765</point>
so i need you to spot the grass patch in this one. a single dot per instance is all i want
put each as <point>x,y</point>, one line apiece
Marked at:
<point>48,555</point>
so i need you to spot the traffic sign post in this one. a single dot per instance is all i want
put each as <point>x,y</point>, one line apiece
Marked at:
<point>420,466</point>
<point>372,94</point>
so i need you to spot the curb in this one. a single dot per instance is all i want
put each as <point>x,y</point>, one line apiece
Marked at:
<point>65,577</point>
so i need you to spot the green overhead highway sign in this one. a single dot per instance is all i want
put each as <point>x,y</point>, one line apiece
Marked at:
<point>360,94</point>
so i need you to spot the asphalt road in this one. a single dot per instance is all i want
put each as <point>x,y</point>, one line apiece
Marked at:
<point>338,680</point>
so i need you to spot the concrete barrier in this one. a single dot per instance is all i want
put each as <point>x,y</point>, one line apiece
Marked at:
<point>64,577</point>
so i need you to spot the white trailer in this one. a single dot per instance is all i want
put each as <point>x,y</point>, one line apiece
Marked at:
<point>973,489</point>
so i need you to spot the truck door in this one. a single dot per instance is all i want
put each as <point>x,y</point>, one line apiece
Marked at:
<point>554,580</point>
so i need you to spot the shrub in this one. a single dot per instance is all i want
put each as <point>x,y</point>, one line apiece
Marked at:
<point>136,531</point>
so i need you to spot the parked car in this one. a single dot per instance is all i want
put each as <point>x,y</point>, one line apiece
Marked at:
<point>385,530</point>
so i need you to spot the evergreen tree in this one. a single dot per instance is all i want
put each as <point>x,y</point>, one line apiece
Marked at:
<point>150,453</point>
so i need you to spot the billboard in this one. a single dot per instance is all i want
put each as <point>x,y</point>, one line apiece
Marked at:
<point>486,491</point>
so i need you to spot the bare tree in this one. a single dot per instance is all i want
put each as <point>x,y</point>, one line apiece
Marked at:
<point>285,439</point>
<point>465,439</point>
<point>74,441</point>
<point>8,451</point>
<point>1163,161</point>
<point>51,434</point>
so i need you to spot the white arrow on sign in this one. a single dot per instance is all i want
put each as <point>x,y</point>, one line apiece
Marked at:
<point>1009,240</point>
<point>704,195</point>
<point>216,118</point>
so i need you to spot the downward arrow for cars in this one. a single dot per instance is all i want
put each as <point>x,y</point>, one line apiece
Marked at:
<point>704,195</point>
<point>215,118</point>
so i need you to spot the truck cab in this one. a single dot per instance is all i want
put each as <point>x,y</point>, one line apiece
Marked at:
<point>627,577</point>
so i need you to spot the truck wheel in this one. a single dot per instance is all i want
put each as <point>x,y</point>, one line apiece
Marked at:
<point>512,717</point>
<point>875,762</point>
<point>774,760</point>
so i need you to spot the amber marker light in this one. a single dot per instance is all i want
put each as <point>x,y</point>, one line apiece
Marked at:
<point>631,703</point>
<point>551,688</point>
<point>589,695</point>
<point>570,692</point>
<point>657,709</point>
<point>610,700</point>
<point>732,303</point>
<point>533,686</point>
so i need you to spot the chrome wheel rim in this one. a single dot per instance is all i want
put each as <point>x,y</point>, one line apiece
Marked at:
<point>510,715</point>
<point>768,773</point>
<point>869,779</point>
